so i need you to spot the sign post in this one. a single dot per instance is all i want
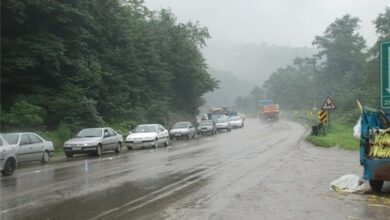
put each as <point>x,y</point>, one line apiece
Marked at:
<point>328,106</point>
<point>385,74</point>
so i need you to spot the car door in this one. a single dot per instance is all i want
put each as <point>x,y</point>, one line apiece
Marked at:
<point>162,134</point>
<point>106,142</point>
<point>113,138</point>
<point>37,146</point>
<point>24,150</point>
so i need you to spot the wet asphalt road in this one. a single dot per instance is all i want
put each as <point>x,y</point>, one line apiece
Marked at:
<point>263,171</point>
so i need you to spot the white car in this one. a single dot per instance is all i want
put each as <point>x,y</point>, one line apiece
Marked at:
<point>182,129</point>
<point>223,123</point>
<point>30,147</point>
<point>7,157</point>
<point>147,135</point>
<point>94,141</point>
<point>237,122</point>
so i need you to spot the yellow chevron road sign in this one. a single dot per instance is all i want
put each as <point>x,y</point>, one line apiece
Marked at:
<point>323,116</point>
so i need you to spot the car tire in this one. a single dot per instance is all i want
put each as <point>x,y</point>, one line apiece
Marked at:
<point>118,147</point>
<point>171,138</point>
<point>99,150</point>
<point>45,157</point>
<point>69,155</point>
<point>9,167</point>
<point>129,148</point>
<point>166,144</point>
<point>156,143</point>
<point>376,185</point>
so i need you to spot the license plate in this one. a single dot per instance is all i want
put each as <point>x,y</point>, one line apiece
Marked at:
<point>76,148</point>
<point>137,142</point>
<point>178,134</point>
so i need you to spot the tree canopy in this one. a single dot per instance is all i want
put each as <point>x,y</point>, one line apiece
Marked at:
<point>88,63</point>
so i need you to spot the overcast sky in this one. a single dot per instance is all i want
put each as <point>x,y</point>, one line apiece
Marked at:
<point>280,22</point>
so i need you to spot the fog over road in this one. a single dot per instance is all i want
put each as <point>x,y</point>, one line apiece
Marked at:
<point>262,171</point>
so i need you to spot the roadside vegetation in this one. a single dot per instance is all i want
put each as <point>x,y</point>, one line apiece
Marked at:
<point>66,65</point>
<point>339,135</point>
<point>344,68</point>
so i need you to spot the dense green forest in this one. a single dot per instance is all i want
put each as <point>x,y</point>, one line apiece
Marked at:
<point>95,62</point>
<point>344,68</point>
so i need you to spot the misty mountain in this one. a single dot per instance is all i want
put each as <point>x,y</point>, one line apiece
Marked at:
<point>230,87</point>
<point>252,62</point>
<point>239,67</point>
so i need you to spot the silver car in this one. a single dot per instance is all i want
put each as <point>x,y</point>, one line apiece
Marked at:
<point>182,129</point>
<point>30,147</point>
<point>94,141</point>
<point>223,123</point>
<point>236,122</point>
<point>7,157</point>
<point>147,135</point>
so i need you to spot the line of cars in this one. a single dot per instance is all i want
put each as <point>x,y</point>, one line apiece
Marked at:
<point>23,147</point>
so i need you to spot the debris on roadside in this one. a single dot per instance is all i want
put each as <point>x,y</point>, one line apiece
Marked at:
<point>349,183</point>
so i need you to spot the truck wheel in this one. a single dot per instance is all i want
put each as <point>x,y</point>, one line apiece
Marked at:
<point>376,185</point>
<point>9,167</point>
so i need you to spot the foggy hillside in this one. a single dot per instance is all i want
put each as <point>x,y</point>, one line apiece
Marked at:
<point>252,62</point>
<point>239,67</point>
<point>230,87</point>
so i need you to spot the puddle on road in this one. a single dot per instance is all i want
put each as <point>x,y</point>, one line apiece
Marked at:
<point>126,201</point>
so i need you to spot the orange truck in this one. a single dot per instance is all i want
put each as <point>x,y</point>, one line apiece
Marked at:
<point>268,111</point>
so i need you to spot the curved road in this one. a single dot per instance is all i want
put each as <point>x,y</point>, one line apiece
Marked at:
<point>263,171</point>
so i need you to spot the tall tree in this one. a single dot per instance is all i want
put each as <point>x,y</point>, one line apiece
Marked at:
<point>342,50</point>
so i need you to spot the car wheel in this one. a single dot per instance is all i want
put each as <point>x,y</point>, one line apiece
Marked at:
<point>99,150</point>
<point>376,185</point>
<point>118,147</point>
<point>156,143</point>
<point>9,167</point>
<point>171,138</point>
<point>69,155</point>
<point>45,157</point>
<point>166,144</point>
<point>129,148</point>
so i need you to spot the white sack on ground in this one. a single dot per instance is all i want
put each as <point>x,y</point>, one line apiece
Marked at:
<point>350,184</point>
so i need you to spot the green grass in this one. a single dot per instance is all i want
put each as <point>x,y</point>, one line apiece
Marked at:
<point>340,135</point>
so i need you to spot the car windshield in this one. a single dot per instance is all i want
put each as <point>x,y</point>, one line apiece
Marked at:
<point>235,118</point>
<point>222,119</point>
<point>145,129</point>
<point>90,132</point>
<point>205,123</point>
<point>181,125</point>
<point>11,138</point>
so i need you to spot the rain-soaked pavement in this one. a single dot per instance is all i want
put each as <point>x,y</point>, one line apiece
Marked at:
<point>263,171</point>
